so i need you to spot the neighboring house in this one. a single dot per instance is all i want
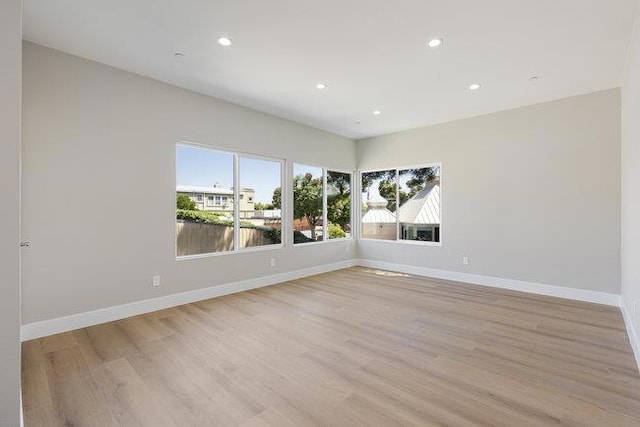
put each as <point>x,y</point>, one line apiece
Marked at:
<point>378,222</point>
<point>419,217</point>
<point>217,198</point>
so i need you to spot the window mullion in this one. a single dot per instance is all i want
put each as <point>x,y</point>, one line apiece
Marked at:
<point>236,203</point>
<point>397,204</point>
<point>325,215</point>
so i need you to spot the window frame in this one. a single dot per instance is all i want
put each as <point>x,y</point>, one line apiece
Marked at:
<point>325,219</point>
<point>325,207</point>
<point>398,229</point>
<point>236,155</point>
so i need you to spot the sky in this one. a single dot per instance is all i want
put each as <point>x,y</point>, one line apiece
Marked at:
<point>203,167</point>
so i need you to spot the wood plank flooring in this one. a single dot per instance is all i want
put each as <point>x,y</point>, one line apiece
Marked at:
<point>357,347</point>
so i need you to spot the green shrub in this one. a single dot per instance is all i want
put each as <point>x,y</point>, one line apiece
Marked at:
<point>274,234</point>
<point>336,232</point>
<point>202,217</point>
<point>184,202</point>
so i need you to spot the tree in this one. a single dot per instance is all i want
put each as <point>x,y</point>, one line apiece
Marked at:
<point>387,190</point>
<point>339,198</point>
<point>276,200</point>
<point>184,202</point>
<point>307,200</point>
<point>417,178</point>
<point>335,231</point>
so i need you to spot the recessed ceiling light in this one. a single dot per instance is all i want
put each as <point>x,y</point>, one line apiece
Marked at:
<point>435,42</point>
<point>475,86</point>
<point>321,86</point>
<point>224,41</point>
<point>377,112</point>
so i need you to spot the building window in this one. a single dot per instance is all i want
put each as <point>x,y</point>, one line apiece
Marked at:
<point>402,204</point>
<point>220,225</point>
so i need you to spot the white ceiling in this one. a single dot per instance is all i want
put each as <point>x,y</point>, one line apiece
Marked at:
<point>372,54</point>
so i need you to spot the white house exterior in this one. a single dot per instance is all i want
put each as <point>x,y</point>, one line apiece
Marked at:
<point>217,198</point>
<point>419,217</point>
<point>378,222</point>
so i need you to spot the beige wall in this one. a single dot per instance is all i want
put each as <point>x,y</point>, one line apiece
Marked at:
<point>10,86</point>
<point>100,137</point>
<point>631,179</point>
<point>531,194</point>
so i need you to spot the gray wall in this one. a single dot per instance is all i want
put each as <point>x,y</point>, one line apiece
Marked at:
<point>10,87</point>
<point>631,179</point>
<point>99,141</point>
<point>530,194</point>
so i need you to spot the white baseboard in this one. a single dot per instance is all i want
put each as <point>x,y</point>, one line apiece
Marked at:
<point>81,320</point>
<point>498,282</point>
<point>632,333</point>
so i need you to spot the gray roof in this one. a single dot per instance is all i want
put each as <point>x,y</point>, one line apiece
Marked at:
<point>203,190</point>
<point>379,216</point>
<point>423,208</point>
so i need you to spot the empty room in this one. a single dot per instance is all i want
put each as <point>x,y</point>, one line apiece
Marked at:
<point>348,213</point>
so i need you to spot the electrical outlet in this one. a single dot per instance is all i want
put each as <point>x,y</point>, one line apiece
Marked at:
<point>273,262</point>
<point>156,280</point>
<point>465,260</point>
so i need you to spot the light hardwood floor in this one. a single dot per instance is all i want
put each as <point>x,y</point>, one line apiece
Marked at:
<point>353,347</point>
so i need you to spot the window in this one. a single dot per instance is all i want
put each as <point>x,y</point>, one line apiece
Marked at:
<point>260,179</point>
<point>379,205</point>
<point>321,204</point>
<point>216,226</point>
<point>402,204</point>
<point>338,204</point>
<point>308,204</point>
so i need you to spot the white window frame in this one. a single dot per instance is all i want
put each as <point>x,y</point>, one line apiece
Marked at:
<point>325,208</point>
<point>398,230</point>
<point>236,155</point>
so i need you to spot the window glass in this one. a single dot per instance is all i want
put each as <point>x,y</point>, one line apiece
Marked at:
<point>338,204</point>
<point>402,204</point>
<point>379,205</point>
<point>419,200</point>
<point>307,204</point>
<point>260,205</point>
<point>203,227</point>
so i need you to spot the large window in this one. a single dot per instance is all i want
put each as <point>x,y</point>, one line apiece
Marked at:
<point>260,181</point>
<point>402,204</point>
<point>321,204</point>
<point>308,204</point>
<point>215,207</point>
<point>338,204</point>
